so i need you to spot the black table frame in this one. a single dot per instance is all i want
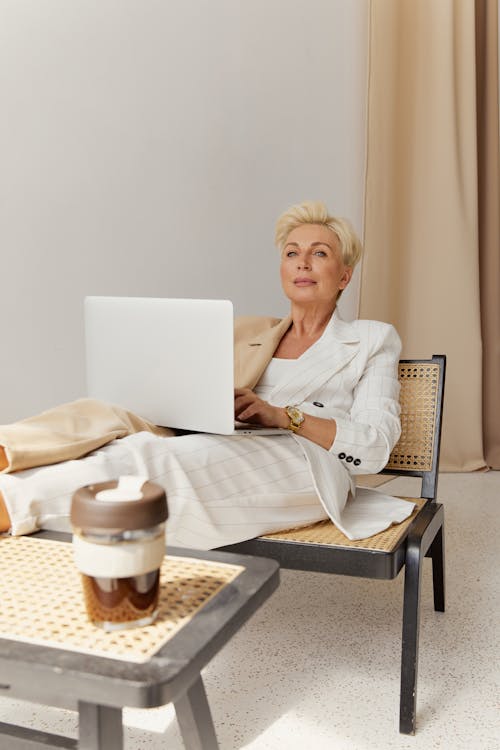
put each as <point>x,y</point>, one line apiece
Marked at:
<point>99,687</point>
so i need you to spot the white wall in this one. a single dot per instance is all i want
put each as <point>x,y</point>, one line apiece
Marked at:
<point>147,147</point>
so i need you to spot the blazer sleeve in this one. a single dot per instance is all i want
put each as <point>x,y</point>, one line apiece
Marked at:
<point>364,441</point>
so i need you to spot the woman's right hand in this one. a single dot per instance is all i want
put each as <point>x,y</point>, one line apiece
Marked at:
<point>248,407</point>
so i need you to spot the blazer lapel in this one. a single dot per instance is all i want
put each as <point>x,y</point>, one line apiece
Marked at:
<point>252,356</point>
<point>338,345</point>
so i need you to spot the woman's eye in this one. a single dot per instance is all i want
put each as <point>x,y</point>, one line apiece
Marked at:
<point>289,253</point>
<point>320,253</point>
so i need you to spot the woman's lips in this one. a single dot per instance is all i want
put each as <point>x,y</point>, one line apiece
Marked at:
<point>304,282</point>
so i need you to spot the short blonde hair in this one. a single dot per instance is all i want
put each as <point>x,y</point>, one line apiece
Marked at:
<point>315,212</point>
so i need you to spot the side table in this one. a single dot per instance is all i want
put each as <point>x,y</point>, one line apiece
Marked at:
<point>99,686</point>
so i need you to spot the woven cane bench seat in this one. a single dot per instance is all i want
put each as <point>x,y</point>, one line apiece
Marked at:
<point>326,533</point>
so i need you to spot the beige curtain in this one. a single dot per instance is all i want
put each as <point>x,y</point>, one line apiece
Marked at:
<point>421,266</point>
<point>489,219</point>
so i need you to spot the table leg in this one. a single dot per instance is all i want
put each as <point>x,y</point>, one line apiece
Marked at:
<point>100,727</point>
<point>195,719</point>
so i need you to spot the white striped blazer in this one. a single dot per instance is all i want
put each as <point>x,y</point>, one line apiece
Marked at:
<point>350,374</point>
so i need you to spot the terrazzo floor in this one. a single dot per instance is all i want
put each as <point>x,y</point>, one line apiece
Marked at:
<point>318,664</point>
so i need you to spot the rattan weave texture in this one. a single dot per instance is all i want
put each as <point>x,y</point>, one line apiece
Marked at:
<point>41,600</point>
<point>418,399</point>
<point>325,532</point>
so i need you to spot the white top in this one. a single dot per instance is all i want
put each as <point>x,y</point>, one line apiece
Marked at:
<point>274,372</point>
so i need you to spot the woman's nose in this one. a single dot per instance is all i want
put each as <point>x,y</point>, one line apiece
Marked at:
<point>304,262</point>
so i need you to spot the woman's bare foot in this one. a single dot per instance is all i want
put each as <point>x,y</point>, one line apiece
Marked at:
<point>4,516</point>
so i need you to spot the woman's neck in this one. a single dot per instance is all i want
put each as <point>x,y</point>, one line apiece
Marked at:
<point>306,328</point>
<point>309,323</point>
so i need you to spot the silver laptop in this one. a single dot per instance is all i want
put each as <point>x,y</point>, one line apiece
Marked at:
<point>168,360</point>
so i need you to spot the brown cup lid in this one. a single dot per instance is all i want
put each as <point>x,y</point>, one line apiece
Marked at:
<point>87,512</point>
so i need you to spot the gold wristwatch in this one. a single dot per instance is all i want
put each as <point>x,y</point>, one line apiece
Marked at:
<point>296,417</point>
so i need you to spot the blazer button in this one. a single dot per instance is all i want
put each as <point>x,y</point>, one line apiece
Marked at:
<point>357,462</point>
<point>317,403</point>
<point>341,456</point>
<point>349,459</point>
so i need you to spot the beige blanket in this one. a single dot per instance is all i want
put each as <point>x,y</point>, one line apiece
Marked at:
<point>68,431</point>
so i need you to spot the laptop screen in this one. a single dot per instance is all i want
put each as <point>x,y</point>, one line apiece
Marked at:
<point>168,360</point>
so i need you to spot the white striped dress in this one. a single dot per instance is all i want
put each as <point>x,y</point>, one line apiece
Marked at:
<point>220,489</point>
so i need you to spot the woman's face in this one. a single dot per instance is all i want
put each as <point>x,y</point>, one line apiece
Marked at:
<point>312,269</point>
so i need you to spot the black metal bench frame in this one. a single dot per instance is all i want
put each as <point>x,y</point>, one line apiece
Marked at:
<point>424,538</point>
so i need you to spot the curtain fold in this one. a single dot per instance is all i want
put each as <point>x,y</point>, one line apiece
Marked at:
<point>421,265</point>
<point>489,219</point>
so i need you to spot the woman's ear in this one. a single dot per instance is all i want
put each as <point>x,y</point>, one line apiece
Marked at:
<point>346,277</point>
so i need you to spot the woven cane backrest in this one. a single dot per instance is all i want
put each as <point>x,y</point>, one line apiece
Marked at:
<point>419,399</point>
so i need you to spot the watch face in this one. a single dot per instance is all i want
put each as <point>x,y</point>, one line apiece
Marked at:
<point>295,415</point>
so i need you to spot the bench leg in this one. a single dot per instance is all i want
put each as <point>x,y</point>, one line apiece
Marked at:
<point>436,551</point>
<point>22,738</point>
<point>195,719</point>
<point>100,727</point>
<point>411,626</point>
<point>426,531</point>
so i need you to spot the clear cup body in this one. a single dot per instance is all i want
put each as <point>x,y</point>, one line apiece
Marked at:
<point>120,574</point>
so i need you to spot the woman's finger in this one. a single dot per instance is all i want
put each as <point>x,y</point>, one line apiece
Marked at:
<point>242,402</point>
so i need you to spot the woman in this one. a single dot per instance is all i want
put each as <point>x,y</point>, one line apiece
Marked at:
<point>330,386</point>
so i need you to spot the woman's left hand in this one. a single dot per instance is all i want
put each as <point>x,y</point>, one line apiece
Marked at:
<point>250,408</point>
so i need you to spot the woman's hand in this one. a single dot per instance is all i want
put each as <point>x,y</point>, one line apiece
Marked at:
<point>250,408</point>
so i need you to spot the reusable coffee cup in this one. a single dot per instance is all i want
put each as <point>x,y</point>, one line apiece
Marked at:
<point>118,546</point>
